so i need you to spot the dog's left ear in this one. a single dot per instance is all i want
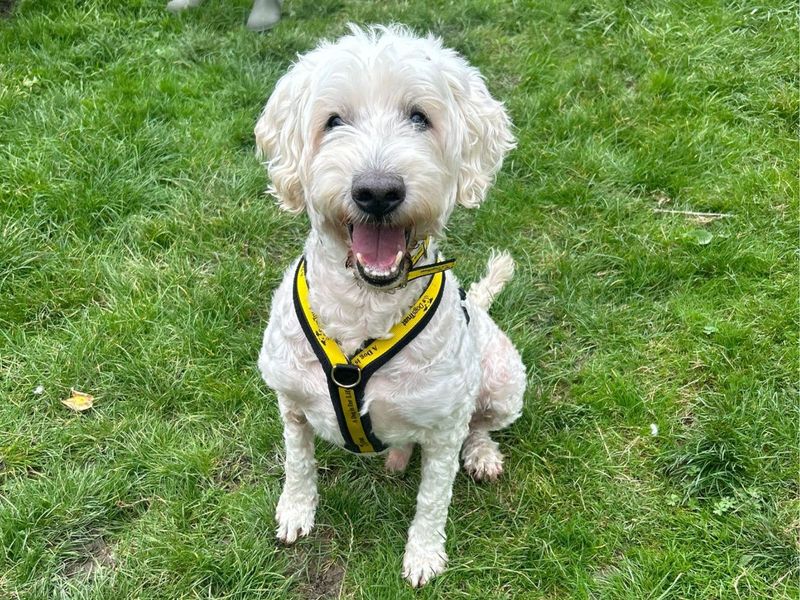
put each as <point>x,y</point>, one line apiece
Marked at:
<point>486,131</point>
<point>280,139</point>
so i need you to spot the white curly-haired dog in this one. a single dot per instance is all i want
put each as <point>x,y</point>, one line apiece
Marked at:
<point>378,136</point>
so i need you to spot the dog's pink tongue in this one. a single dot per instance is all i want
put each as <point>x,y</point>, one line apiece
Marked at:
<point>378,245</point>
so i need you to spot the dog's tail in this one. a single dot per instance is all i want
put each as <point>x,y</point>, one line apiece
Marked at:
<point>499,271</point>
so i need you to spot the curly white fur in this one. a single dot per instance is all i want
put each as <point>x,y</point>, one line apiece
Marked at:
<point>455,381</point>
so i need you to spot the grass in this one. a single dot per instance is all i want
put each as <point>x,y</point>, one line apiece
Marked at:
<point>138,254</point>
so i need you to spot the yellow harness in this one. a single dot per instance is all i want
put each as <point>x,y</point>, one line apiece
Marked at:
<point>348,377</point>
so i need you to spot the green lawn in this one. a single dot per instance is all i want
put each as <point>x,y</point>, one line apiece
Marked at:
<point>138,254</point>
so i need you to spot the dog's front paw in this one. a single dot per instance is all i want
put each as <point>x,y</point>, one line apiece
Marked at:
<point>421,564</point>
<point>295,517</point>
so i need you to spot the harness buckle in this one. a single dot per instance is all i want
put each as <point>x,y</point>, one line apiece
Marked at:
<point>346,375</point>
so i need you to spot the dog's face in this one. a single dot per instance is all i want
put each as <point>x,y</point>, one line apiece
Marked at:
<point>378,136</point>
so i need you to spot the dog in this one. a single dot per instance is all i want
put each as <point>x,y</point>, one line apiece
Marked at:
<point>377,137</point>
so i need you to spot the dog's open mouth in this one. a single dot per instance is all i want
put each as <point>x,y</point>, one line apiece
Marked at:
<point>380,252</point>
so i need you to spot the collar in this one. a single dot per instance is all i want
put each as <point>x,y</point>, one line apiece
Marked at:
<point>421,252</point>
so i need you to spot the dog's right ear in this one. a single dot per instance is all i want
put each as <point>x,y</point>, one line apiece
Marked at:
<point>280,139</point>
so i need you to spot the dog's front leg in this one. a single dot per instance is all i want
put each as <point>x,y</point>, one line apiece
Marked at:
<point>298,502</point>
<point>425,556</point>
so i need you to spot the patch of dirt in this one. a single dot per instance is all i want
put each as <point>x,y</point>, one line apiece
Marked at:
<point>6,7</point>
<point>233,472</point>
<point>318,574</point>
<point>7,473</point>
<point>323,583</point>
<point>687,420</point>
<point>661,198</point>
<point>606,572</point>
<point>92,556</point>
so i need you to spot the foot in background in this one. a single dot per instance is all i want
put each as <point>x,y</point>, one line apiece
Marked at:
<point>179,5</point>
<point>264,15</point>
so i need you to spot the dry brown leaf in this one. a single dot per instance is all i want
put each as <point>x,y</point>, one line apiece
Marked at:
<point>79,401</point>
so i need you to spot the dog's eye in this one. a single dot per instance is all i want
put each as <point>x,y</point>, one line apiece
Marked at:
<point>419,120</point>
<point>334,121</point>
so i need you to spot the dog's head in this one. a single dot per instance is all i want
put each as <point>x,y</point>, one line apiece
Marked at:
<point>378,136</point>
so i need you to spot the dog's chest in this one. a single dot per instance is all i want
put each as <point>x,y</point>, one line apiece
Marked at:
<point>428,386</point>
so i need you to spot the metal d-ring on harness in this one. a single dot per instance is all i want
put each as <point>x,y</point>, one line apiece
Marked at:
<point>348,376</point>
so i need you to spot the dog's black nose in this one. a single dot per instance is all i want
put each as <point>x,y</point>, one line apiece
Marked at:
<point>378,194</point>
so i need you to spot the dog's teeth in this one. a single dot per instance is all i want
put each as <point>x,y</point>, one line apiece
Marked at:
<point>398,258</point>
<point>360,257</point>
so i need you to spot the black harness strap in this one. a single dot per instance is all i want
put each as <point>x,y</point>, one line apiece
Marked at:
<point>347,376</point>
<point>463,295</point>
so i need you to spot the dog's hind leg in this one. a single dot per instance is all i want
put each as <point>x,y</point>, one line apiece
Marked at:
<point>397,459</point>
<point>482,457</point>
<point>298,501</point>
<point>498,405</point>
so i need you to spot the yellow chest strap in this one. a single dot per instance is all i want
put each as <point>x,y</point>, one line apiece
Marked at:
<point>348,377</point>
